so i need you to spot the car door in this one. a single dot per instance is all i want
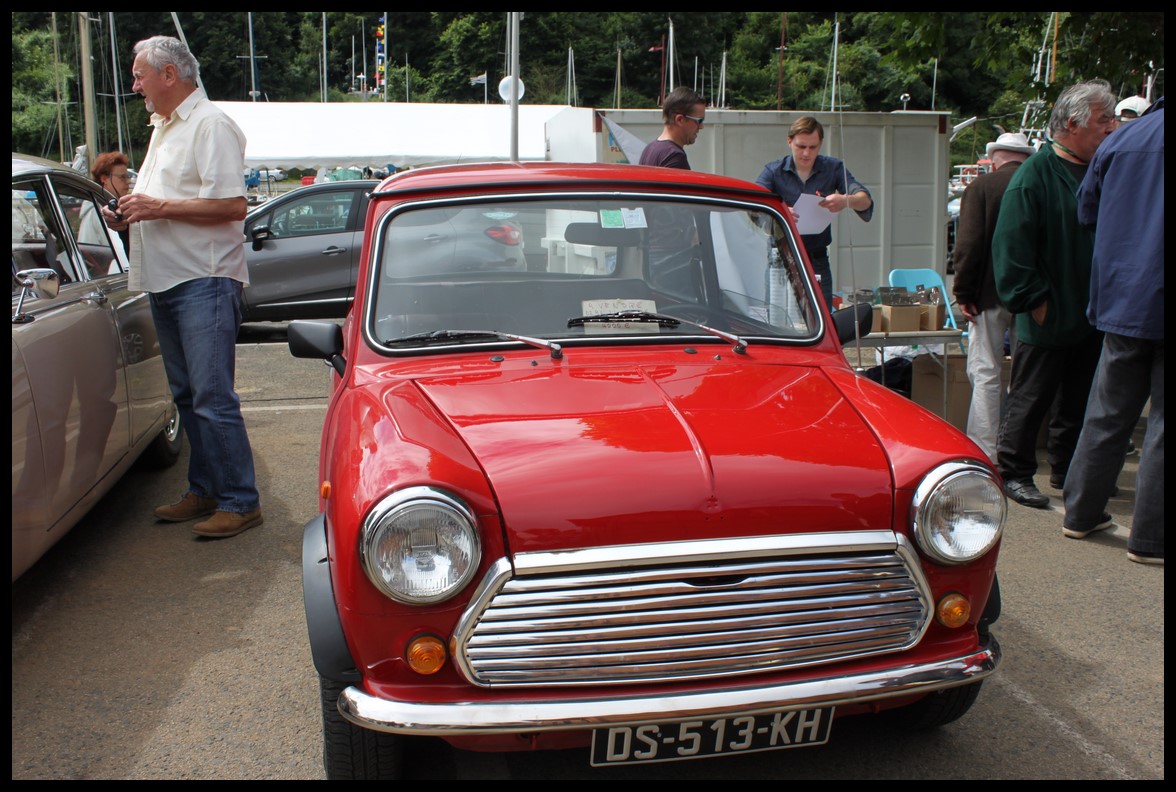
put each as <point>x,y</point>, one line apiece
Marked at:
<point>303,253</point>
<point>70,417</point>
<point>105,267</point>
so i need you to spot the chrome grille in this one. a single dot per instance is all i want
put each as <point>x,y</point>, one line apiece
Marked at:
<point>708,617</point>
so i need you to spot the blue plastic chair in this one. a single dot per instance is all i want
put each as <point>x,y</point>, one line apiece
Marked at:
<point>912,279</point>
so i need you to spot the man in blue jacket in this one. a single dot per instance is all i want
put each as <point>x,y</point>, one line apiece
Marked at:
<point>806,171</point>
<point>1123,196</point>
<point>1041,258</point>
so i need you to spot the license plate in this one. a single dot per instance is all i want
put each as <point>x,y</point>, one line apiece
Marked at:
<point>694,739</point>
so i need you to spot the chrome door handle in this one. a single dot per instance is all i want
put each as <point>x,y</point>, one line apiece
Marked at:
<point>96,298</point>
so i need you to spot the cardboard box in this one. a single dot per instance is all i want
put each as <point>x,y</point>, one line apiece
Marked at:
<point>900,318</point>
<point>927,387</point>
<point>932,317</point>
<point>876,327</point>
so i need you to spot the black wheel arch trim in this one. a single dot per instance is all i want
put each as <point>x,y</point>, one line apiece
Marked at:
<point>328,645</point>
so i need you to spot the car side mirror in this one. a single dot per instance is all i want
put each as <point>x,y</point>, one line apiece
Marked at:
<point>853,322</point>
<point>321,340</point>
<point>259,234</point>
<point>44,283</point>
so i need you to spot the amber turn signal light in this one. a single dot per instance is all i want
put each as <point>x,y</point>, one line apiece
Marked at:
<point>426,654</point>
<point>953,610</point>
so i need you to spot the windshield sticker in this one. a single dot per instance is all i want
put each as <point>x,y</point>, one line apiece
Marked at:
<point>634,218</point>
<point>611,218</point>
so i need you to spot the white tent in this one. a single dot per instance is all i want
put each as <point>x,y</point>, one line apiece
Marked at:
<point>346,134</point>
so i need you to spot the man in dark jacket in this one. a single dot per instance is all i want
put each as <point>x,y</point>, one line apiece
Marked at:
<point>975,289</point>
<point>1123,193</point>
<point>1041,260</point>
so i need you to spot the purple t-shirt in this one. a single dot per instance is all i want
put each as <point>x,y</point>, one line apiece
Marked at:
<point>665,154</point>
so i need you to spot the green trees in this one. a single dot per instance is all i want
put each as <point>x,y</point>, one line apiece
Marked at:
<point>966,63</point>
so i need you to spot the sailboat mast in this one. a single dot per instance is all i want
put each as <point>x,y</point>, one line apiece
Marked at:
<point>117,84</point>
<point>833,75</point>
<point>252,63</point>
<point>57,80</point>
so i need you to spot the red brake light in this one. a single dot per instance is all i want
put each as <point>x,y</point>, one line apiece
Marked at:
<point>507,235</point>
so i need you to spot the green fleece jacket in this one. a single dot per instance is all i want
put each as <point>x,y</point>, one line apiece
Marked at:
<point>1040,252</point>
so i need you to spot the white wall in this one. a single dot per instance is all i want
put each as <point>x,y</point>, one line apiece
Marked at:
<point>901,157</point>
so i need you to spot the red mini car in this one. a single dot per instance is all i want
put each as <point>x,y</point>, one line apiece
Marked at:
<point>599,475</point>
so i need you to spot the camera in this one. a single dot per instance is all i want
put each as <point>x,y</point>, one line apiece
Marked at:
<point>112,205</point>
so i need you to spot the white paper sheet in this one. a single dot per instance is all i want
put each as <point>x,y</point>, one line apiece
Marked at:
<point>812,218</point>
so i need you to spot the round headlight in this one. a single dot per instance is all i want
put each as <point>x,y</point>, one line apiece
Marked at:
<point>420,545</point>
<point>958,513</point>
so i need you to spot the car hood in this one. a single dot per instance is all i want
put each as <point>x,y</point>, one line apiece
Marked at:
<point>605,455</point>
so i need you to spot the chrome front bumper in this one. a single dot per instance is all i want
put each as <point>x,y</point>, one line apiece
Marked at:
<point>521,715</point>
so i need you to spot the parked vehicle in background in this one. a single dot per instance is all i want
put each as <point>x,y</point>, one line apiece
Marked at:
<point>603,478</point>
<point>270,175</point>
<point>89,392</point>
<point>302,249</point>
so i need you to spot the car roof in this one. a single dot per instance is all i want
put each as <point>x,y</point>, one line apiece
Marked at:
<point>23,164</point>
<point>306,189</point>
<point>502,175</point>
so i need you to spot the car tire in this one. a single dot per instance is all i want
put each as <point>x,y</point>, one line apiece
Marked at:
<point>164,450</point>
<point>353,753</point>
<point>936,709</point>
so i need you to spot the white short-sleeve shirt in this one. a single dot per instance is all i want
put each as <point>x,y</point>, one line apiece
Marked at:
<point>197,152</point>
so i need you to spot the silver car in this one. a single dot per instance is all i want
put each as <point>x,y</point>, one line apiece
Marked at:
<point>89,392</point>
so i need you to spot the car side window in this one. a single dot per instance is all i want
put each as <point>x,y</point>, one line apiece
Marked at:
<point>317,214</point>
<point>100,247</point>
<point>37,239</point>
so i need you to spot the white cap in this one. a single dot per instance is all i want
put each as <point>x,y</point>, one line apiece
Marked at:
<point>1136,104</point>
<point>1010,141</point>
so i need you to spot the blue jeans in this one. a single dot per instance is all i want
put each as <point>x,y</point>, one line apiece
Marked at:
<point>1130,371</point>
<point>197,323</point>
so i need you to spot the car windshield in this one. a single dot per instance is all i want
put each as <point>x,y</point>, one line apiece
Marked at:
<point>586,270</point>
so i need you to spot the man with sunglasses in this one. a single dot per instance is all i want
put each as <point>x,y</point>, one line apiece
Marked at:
<point>683,114</point>
<point>807,171</point>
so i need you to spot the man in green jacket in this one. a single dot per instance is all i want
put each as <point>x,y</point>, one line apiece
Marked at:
<point>1041,260</point>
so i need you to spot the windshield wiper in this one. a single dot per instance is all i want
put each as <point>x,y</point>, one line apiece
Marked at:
<point>446,336</point>
<point>659,319</point>
<point>626,316</point>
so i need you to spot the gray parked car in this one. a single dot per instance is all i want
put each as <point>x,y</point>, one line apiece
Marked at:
<point>303,248</point>
<point>303,251</point>
<point>89,392</point>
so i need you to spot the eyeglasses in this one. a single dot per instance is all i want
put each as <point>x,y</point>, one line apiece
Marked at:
<point>121,176</point>
<point>698,121</point>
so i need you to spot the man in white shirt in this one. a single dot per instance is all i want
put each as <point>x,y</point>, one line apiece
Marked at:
<point>185,217</point>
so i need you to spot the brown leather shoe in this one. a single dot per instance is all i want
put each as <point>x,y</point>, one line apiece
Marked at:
<point>187,508</point>
<point>226,523</point>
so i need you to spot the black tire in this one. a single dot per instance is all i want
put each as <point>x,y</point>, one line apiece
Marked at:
<point>937,709</point>
<point>164,450</point>
<point>352,753</point>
